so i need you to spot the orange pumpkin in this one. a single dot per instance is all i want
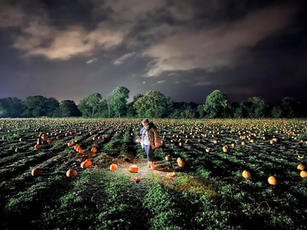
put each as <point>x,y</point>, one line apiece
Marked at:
<point>272,180</point>
<point>133,168</point>
<point>71,173</point>
<point>113,167</point>
<point>303,174</point>
<point>85,164</point>
<point>77,147</point>
<point>80,150</point>
<point>37,146</point>
<point>36,172</point>
<point>94,150</point>
<point>246,174</point>
<point>301,167</point>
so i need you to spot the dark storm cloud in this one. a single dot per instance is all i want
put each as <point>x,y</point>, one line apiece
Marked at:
<point>185,49</point>
<point>40,37</point>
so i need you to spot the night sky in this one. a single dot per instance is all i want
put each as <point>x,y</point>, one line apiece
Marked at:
<point>185,49</point>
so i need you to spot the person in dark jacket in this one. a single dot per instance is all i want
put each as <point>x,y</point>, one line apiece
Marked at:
<point>150,140</point>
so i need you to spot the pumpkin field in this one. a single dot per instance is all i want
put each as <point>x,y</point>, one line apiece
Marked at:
<point>79,173</point>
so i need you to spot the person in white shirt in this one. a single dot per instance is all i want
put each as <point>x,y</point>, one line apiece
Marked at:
<point>150,140</point>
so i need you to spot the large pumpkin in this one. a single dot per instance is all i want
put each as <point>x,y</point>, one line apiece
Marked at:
<point>303,174</point>
<point>113,167</point>
<point>71,173</point>
<point>272,180</point>
<point>301,167</point>
<point>133,168</point>
<point>85,164</point>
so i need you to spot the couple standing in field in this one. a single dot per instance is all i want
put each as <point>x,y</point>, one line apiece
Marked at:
<point>150,140</point>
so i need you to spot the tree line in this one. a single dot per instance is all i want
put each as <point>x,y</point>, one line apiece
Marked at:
<point>151,104</point>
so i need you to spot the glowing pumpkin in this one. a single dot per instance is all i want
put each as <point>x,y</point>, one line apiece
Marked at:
<point>246,174</point>
<point>133,168</point>
<point>71,173</point>
<point>85,164</point>
<point>303,174</point>
<point>113,167</point>
<point>301,167</point>
<point>272,180</point>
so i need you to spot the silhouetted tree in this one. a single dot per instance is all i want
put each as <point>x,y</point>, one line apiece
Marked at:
<point>11,107</point>
<point>118,101</point>
<point>216,104</point>
<point>93,106</point>
<point>153,104</point>
<point>67,108</point>
<point>131,112</point>
<point>37,106</point>
<point>257,107</point>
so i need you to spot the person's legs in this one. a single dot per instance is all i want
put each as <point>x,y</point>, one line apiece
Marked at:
<point>152,163</point>
<point>149,153</point>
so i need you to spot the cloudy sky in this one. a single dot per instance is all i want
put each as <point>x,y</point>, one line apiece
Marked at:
<point>68,49</point>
